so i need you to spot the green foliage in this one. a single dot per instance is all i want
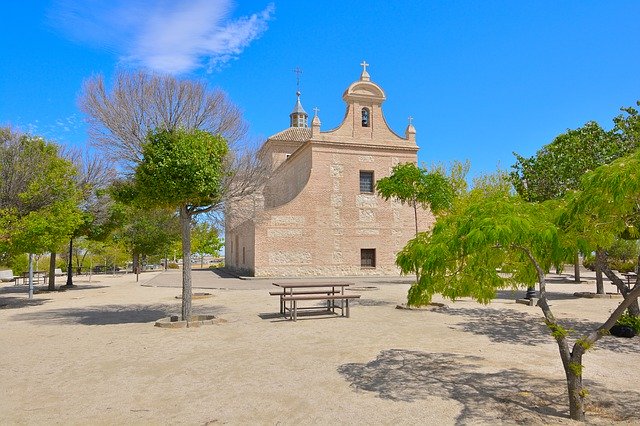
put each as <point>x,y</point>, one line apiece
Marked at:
<point>485,231</point>
<point>38,196</point>
<point>173,265</point>
<point>606,206</point>
<point>150,231</point>
<point>557,331</point>
<point>584,343</point>
<point>624,250</point>
<point>180,168</point>
<point>456,172</point>
<point>558,166</point>
<point>413,185</point>
<point>630,321</point>
<point>576,368</point>
<point>205,240</point>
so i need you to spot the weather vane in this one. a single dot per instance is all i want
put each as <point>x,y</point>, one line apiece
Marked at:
<point>298,72</point>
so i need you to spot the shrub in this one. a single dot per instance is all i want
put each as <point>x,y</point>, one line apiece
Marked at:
<point>630,321</point>
<point>173,265</point>
<point>615,264</point>
<point>622,265</point>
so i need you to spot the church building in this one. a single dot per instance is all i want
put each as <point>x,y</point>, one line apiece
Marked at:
<point>318,213</point>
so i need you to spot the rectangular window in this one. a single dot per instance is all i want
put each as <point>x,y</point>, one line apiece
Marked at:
<point>368,258</point>
<point>366,182</point>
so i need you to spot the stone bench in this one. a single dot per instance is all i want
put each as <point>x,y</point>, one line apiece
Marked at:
<point>7,276</point>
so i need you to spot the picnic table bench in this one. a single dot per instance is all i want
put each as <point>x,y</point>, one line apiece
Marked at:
<point>331,292</point>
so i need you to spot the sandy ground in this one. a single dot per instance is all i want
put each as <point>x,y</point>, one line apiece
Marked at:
<point>92,355</point>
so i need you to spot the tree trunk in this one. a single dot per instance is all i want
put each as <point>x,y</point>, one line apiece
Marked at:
<point>634,308</point>
<point>576,268</point>
<point>52,272</point>
<point>136,264</point>
<point>574,385</point>
<point>30,275</point>
<point>185,231</point>
<point>70,265</point>
<point>600,260</point>
<point>415,215</point>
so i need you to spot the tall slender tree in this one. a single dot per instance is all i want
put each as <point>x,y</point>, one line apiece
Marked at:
<point>417,187</point>
<point>183,170</point>
<point>38,195</point>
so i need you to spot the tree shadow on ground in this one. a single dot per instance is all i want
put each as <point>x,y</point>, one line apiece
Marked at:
<point>371,302</point>
<point>510,395</point>
<point>111,314</point>
<point>509,326</point>
<point>11,302</point>
<point>219,272</point>
<point>520,293</point>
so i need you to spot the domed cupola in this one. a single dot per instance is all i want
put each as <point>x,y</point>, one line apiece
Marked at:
<point>298,116</point>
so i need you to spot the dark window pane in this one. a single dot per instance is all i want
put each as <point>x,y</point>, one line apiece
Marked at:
<point>366,181</point>
<point>368,258</point>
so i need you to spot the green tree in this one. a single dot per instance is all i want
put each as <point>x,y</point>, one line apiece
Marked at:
<point>181,169</point>
<point>416,186</point>
<point>558,167</point>
<point>205,240</point>
<point>38,197</point>
<point>491,240</point>
<point>607,207</point>
<point>147,231</point>
<point>98,214</point>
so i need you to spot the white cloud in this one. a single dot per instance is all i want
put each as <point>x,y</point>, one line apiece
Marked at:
<point>163,35</point>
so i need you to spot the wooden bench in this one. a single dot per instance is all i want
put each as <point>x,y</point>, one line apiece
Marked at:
<point>330,298</point>
<point>283,293</point>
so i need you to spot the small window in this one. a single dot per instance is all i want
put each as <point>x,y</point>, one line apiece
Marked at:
<point>366,182</point>
<point>365,117</point>
<point>368,258</point>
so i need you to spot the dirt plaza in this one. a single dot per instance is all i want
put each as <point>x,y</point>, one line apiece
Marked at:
<point>91,355</point>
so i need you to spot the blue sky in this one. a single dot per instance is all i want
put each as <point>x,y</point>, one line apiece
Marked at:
<point>481,78</point>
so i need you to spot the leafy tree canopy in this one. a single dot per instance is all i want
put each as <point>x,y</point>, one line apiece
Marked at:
<point>38,196</point>
<point>205,239</point>
<point>179,168</point>
<point>607,205</point>
<point>558,166</point>
<point>484,243</point>
<point>416,186</point>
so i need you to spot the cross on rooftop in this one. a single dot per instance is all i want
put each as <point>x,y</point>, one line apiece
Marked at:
<point>364,66</point>
<point>316,109</point>
<point>298,72</point>
<point>410,120</point>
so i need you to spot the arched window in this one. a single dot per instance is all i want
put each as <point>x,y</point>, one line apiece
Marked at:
<point>366,122</point>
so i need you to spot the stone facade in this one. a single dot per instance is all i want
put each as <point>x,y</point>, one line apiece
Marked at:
<point>317,215</point>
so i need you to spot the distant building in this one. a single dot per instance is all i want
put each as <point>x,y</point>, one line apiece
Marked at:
<point>318,215</point>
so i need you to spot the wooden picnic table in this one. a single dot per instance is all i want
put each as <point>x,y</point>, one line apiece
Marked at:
<point>331,291</point>
<point>631,278</point>
<point>37,276</point>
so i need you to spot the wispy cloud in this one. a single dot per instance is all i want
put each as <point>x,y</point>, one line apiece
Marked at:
<point>163,35</point>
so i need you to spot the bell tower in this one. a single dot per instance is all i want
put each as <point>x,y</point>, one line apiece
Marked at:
<point>298,117</point>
